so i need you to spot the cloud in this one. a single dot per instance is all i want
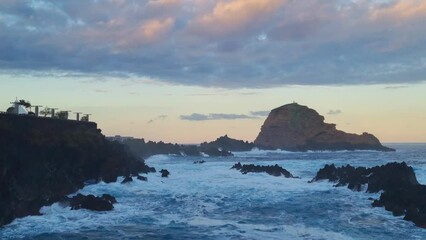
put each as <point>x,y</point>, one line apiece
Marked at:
<point>231,17</point>
<point>260,113</point>
<point>334,112</point>
<point>215,116</point>
<point>100,91</point>
<point>223,43</point>
<point>159,118</point>
<point>394,87</point>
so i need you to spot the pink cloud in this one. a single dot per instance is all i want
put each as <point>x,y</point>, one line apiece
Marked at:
<point>228,17</point>
<point>401,10</point>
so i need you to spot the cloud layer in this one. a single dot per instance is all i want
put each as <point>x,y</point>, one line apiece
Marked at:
<point>215,116</point>
<point>223,43</point>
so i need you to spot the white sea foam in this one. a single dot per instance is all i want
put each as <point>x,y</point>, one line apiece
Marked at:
<point>213,200</point>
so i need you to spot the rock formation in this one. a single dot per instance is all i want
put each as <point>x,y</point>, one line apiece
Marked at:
<point>143,149</point>
<point>43,159</point>
<point>90,202</point>
<point>402,194</point>
<point>274,170</point>
<point>164,173</point>
<point>228,144</point>
<point>294,127</point>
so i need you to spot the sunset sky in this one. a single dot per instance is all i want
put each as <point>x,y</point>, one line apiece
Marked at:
<point>188,71</point>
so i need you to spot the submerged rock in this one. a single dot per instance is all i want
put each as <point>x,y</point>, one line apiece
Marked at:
<point>164,173</point>
<point>90,202</point>
<point>274,170</point>
<point>402,194</point>
<point>199,162</point>
<point>294,127</point>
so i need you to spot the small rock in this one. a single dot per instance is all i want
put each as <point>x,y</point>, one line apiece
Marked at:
<point>142,178</point>
<point>90,202</point>
<point>127,179</point>
<point>164,173</point>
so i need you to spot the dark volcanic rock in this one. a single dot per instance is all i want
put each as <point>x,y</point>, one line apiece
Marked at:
<point>164,173</point>
<point>90,202</point>
<point>385,177</point>
<point>228,144</point>
<point>127,179</point>
<point>295,127</point>
<point>146,149</point>
<point>274,170</point>
<point>142,178</point>
<point>408,200</point>
<point>214,152</point>
<point>43,159</point>
<point>402,194</point>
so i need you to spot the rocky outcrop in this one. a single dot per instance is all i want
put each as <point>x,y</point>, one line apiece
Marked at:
<point>294,127</point>
<point>164,173</point>
<point>274,170</point>
<point>143,149</point>
<point>90,202</point>
<point>43,159</point>
<point>228,144</point>
<point>402,194</point>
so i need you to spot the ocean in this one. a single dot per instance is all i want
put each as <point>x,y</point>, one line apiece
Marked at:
<point>212,201</point>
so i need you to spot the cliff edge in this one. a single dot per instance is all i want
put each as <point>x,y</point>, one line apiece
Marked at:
<point>42,160</point>
<point>294,127</point>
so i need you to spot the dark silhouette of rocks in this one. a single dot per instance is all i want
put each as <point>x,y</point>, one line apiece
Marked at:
<point>215,152</point>
<point>199,162</point>
<point>90,202</point>
<point>43,159</point>
<point>127,179</point>
<point>142,178</point>
<point>294,127</point>
<point>164,173</point>
<point>146,149</point>
<point>402,194</point>
<point>274,170</point>
<point>228,144</point>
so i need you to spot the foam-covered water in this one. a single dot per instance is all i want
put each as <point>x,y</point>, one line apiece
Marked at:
<point>210,201</point>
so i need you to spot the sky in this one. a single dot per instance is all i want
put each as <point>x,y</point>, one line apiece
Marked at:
<point>189,71</point>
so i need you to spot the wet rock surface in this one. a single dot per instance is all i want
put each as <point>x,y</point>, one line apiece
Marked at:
<point>91,202</point>
<point>402,194</point>
<point>273,170</point>
<point>164,173</point>
<point>43,159</point>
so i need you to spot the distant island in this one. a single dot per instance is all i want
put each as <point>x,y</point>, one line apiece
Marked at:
<point>291,127</point>
<point>295,127</point>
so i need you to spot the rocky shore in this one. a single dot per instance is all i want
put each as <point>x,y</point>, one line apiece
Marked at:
<point>402,194</point>
<point>139,147</point>
<point>42,160</point>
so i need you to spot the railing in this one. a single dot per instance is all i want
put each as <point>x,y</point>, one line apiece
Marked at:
<point>40,116</point>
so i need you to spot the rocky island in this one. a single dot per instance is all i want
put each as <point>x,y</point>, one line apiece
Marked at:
<point>294,127</point>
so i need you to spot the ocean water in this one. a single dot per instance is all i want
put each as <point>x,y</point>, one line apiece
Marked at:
<point>211,201</point>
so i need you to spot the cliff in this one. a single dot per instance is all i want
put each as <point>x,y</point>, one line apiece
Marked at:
<point>42,160</point>
<point>295,127</point>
